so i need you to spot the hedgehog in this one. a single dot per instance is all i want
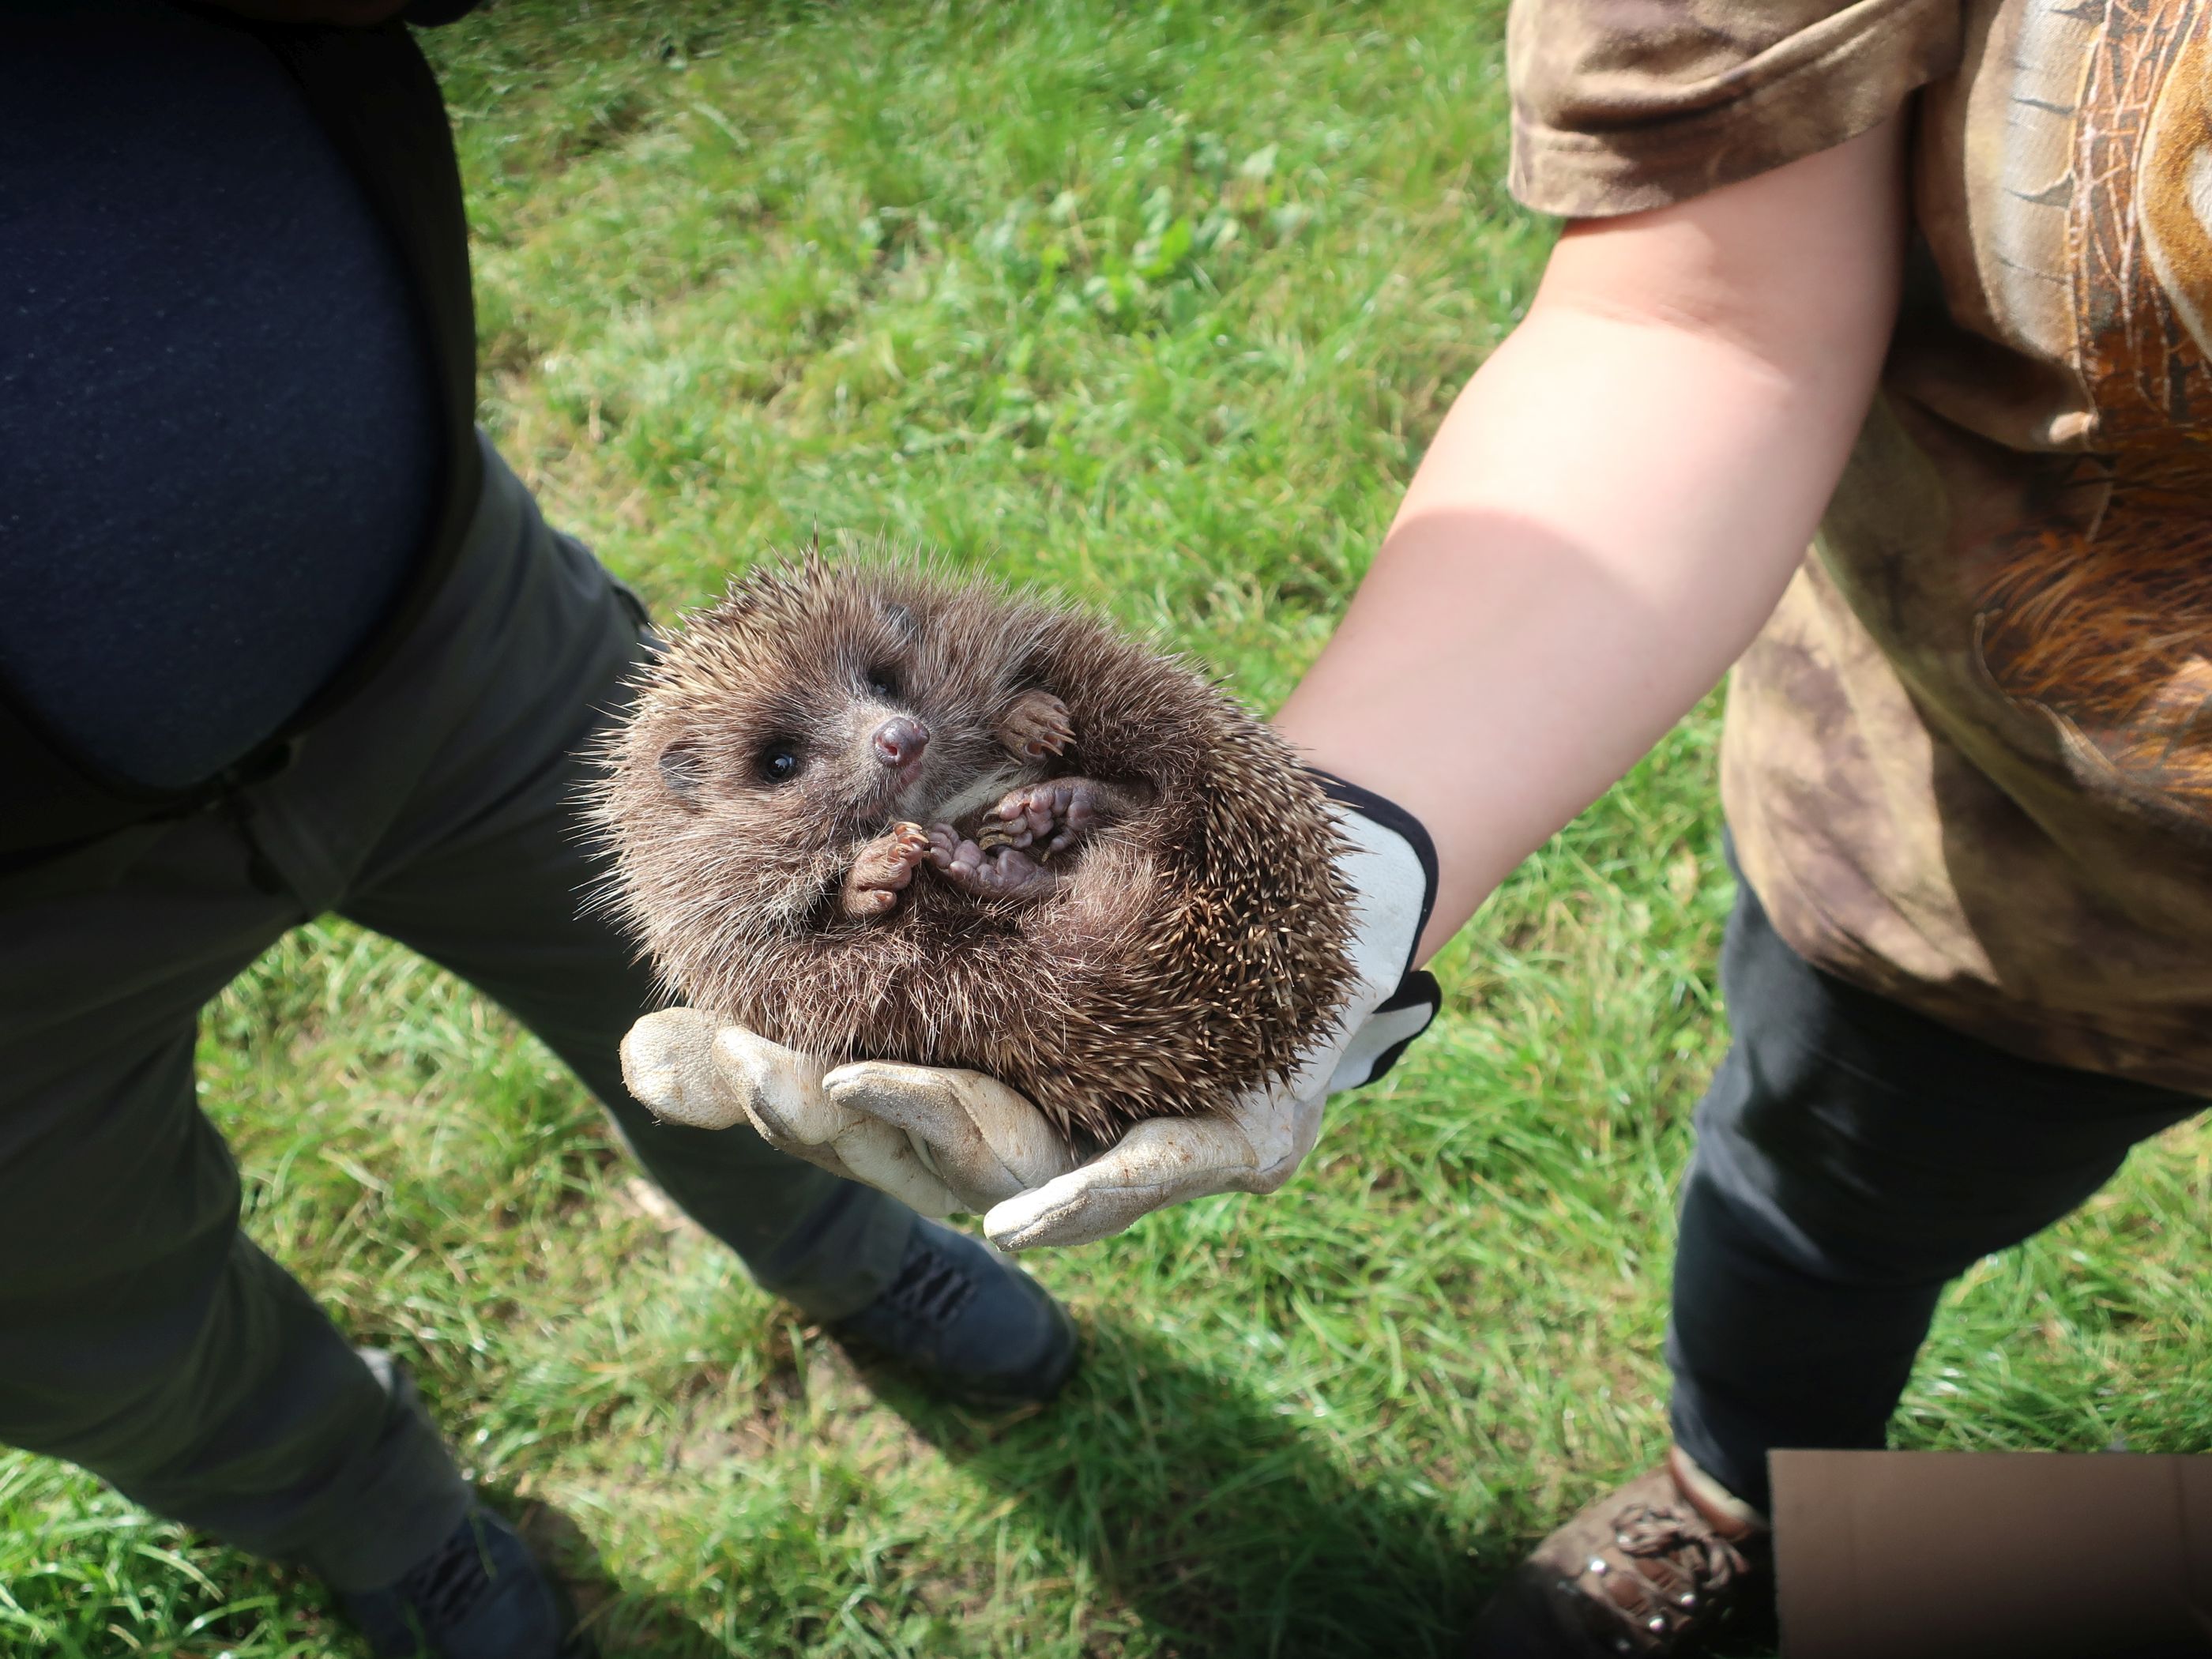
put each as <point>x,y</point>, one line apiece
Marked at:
<point>874,811</point>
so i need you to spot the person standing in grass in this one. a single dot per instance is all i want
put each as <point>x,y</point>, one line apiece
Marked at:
<point>280,636</point>
<point>1928,285</point>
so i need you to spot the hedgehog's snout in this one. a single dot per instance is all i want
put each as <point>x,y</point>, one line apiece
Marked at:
<point>900,740</point>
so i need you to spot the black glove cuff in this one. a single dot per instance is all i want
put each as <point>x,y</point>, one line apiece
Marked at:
<point>1419,989</point>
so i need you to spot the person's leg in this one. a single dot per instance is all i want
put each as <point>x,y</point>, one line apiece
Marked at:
<point>1853,1157</point>
<point>141,1335</point>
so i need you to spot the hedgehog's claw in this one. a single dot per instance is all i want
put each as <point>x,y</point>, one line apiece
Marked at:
<point>1036,727</point>
<point>1058,814</point>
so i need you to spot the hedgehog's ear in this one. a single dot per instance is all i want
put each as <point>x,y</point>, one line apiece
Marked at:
<point>683,771</point>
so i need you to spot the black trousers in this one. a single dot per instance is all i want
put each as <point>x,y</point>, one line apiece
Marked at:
<point>1852,1157</point>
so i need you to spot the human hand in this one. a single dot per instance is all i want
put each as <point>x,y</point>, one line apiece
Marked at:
<point>1254,1143</point>
<point>943,1140</point>
<point>939,1141</point>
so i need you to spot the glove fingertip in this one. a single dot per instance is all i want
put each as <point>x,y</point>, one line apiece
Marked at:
<point>1028,1222</point>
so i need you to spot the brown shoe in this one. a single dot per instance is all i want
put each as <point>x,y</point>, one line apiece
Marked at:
<point>1654,1568</point>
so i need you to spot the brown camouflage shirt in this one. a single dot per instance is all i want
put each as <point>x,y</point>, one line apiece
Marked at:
<point>1968,762</point>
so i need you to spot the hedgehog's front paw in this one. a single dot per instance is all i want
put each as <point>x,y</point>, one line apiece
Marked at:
<point>883,870</point>
<point>1036,727</point>
<point>998,870</point>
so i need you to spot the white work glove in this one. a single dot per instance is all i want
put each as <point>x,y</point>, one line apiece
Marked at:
<point>943,1140</point>
<point>939,1141</point>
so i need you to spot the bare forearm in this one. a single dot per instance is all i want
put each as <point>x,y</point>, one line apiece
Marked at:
<point>1573,569</point>
<point>1608,513</point>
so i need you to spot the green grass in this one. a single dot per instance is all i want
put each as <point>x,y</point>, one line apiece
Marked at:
<point>1157,306</point>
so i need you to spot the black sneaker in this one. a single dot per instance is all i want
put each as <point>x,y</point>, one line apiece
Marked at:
<point>967,1323</point>
<point>480,1594</point>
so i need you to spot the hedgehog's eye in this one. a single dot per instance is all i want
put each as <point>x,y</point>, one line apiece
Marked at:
<point>778,763</point>
<point>883,682</point>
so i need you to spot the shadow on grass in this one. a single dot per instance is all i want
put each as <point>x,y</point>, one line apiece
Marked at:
<point>619,1618</point>
<point>1225,1524</point>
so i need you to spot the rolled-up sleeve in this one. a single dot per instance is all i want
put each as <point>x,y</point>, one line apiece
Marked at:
<point>1624,105</point>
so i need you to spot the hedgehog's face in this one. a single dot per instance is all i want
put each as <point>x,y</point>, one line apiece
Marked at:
<point>838,726</point>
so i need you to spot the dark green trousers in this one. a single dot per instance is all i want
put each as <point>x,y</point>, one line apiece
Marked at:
<point>141,1335</point>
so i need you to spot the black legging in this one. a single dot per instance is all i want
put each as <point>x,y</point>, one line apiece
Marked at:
<point>1852,1157</point>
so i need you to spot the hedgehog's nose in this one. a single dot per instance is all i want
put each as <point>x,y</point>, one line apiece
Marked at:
<point>899,739</point>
